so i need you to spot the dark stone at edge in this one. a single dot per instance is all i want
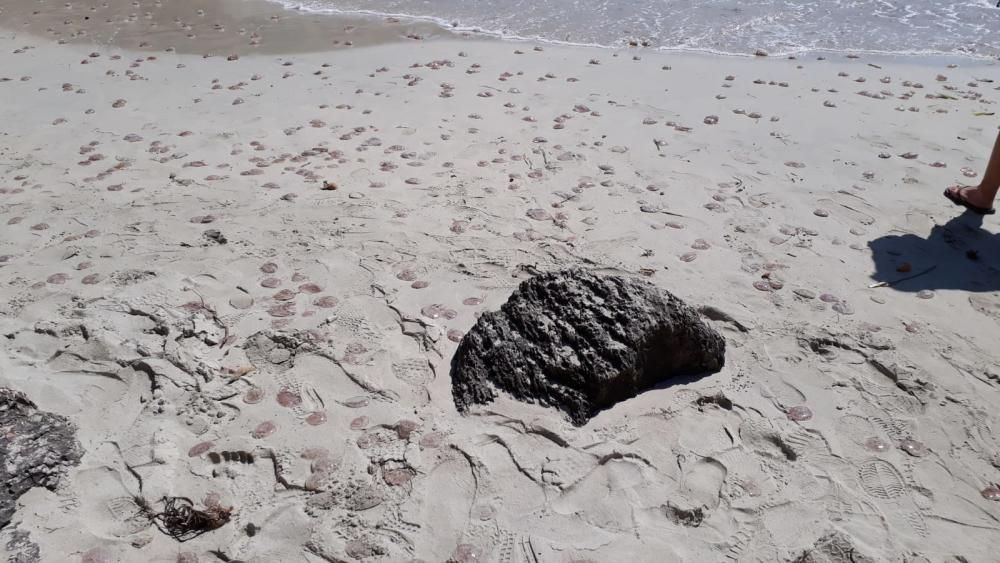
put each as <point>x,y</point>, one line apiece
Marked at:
<point>582,342</point>
<point>36,448</point>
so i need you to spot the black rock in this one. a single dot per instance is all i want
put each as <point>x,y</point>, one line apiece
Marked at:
<point>21,548</point>
<point>36,448</point>
<point>581,342</point>
<point>216,236</point>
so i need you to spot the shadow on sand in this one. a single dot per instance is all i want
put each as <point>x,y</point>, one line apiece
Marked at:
<point>959,254</point>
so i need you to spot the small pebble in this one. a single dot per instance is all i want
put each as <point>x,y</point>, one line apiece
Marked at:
<point>991,493</point>
<point>913,447</point>
<point>200,448</point>
<point>843,308</point>
<point>288,398</point>
<point>799,413</point>
<point>876,444</point>
<point>325,302</point>
<point>316,418</point>
<point>432,311</point>
<point>264,429</point>
<point>253,395</point>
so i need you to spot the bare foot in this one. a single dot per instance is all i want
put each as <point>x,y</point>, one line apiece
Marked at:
<point>971,194</point>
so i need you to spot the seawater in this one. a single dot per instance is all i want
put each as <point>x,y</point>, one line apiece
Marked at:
<point>779,27</point>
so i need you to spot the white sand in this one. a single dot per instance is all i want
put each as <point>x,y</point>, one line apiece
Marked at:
<point>118,312</point>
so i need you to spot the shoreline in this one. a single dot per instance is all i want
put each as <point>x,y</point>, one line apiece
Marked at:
<point>221,27</point>
<point>261,263</point>
<point>476,31</point>
<point>300,30</point>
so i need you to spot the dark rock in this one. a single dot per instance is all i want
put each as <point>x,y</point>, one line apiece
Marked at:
<point>36,448</point>
<point>581,343</point>
<point>20,548</point>
<point>719,400</point>
<point>691,517</point>
<point>216,236</point>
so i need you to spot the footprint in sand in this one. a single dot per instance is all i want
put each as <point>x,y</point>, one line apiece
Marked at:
<point>607,498</point>
<point>782,395</point>
<point>882,481</point>
<point>763,439</point>
<point>449,492</point>
<point>848,205</point>
<point>987,304</point>
<point>110,507</point>
<point>414,371</point>
<point>754,542</point>
<point>860,431</point>
<point>748,483</point>
<point>702,482</point>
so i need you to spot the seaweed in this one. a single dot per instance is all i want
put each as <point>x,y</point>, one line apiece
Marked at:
<point>180,520</point>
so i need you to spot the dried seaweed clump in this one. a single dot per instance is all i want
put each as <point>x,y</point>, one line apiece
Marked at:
<point>180,520</point>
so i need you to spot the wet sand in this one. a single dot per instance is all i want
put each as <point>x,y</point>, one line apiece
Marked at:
<point>243,278</point>
<point>219,27</point>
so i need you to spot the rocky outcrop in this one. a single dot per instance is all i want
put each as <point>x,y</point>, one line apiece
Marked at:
<point>36,448</point>
<point>582,342</point>
<point>21,548</point>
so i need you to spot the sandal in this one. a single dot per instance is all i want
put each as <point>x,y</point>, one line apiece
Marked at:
<point>957,198</point>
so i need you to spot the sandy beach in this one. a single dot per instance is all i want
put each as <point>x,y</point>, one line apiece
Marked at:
<point>238,251</point>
